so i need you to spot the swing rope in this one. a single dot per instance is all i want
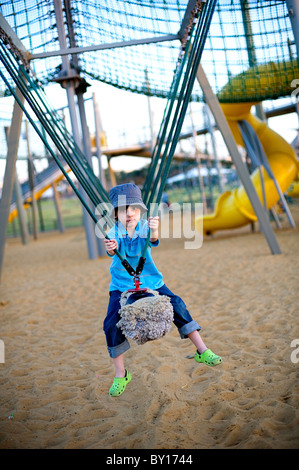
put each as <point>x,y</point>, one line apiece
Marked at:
<point>68,158</point>
<point>179,97</point>
<point>201,24</point>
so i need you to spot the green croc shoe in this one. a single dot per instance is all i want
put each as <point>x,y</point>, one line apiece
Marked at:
<point>208,357</point>
<point>119,385</point>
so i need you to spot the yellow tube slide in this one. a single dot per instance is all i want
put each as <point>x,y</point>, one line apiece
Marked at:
<point>43,187</point>
<point>233,208</point>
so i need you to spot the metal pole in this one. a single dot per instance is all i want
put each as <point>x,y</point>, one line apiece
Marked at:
<point>111,173</point>
<point>150,113</point>
<point>70,90</point>
<point>20,204</point>
<point>10,172</point>
<point>57,208</point>
<point>256,151</point>
<point>31,184</point>
<point>251,49</point>
<point>197,156</point>
<point>293,9</point>
<point>98,131</point>
<point>242,171</point>
<point>21,211</point>
<point>216,160</point>
<point>102,47</point>
<point>80,90</point>
<point>87,149</point>
<point>210,202</point>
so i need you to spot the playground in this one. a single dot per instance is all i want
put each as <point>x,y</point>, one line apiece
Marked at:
<point>240,283</point>
<point>56,374</point>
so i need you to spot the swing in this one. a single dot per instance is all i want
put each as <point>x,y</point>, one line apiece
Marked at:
<point>145,315</point>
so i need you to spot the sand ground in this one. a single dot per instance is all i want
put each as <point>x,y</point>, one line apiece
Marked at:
<point>57,373</point>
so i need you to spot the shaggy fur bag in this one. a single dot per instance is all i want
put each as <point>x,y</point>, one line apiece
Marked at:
<point>147,318</point>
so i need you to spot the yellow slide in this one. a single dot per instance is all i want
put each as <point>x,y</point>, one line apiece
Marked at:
<point>39,191</point>
<point>233,208</point>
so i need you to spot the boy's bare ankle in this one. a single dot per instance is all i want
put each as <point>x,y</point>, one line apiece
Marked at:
<point>120,373</point>
<point>201,350</point>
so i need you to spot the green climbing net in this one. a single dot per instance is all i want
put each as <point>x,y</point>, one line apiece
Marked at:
<point>244,37</point>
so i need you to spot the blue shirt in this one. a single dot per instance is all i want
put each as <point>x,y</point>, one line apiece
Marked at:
<point>131,249</point>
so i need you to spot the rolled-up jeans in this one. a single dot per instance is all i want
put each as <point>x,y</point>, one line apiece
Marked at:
<point>117,343</point>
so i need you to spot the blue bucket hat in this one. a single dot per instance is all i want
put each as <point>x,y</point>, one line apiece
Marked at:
<point>127,194</point>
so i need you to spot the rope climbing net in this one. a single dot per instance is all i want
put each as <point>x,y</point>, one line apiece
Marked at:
<point>244,35</point>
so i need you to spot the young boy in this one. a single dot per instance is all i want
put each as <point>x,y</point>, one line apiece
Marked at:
<point>128,236</point>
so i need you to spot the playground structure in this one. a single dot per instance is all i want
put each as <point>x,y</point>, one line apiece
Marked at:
<point>51,176</point>
<point>239,93</point>
<point>233,208</point>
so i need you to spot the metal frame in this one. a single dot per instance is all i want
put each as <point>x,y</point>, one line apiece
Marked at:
<point>102,47</point>
<point>10,172</point>
<point>113,45</point>
<point>210,97</point>
<point>71,91</point>
<point>242,170</point>
<point>293,9</point>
